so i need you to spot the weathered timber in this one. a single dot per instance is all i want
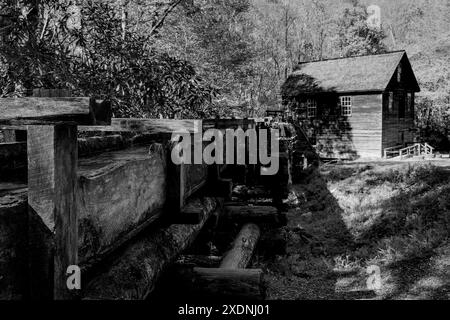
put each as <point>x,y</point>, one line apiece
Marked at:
<point>134,273</point>
<point>260,215</point>
<point>35,111</point>
<point>229,123</point>
<point>13,156</point>
<point>93,145</point>
<point>13,241</point>
<point>219,283</point>
<point>53,223</point>
<point>243,247</point>
<point>119,192</point>
<point>199,261</point>
<point>167,126</point>
<point>184,180</point>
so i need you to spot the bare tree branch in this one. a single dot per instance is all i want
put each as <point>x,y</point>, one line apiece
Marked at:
<point>160,22</point>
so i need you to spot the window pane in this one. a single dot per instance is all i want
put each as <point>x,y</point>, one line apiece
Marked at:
<point>311,108</point>
<point>346,106</point>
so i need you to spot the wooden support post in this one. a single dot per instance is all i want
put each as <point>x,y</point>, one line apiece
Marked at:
<point>176,175</point>
<point>53,226</point>
<point>243,247</point>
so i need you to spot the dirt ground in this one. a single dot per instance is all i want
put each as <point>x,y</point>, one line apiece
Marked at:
<point>349,219</point>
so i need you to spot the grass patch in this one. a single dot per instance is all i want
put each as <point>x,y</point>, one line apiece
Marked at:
<point>347,217</point>
<point>403,212</point>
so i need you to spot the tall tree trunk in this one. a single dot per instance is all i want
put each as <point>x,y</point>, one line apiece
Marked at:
<point>124,17</point>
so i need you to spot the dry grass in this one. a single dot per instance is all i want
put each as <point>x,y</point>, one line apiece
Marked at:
<point>350,216</point>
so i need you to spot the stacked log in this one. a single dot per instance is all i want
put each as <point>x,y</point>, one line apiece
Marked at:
<point>134,274</point>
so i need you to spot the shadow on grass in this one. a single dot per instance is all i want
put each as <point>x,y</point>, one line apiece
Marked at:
<point>414,221</point>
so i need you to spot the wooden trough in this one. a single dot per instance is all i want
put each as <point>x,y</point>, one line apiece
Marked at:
<point>113,204</point>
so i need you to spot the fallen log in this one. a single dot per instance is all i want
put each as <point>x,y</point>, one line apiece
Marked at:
<point>134,273</point>
<point>219,283</point>
<point>260,215</point>
<point>243,247</point>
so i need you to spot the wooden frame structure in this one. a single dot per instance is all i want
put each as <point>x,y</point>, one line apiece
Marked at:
<point>52,125</point>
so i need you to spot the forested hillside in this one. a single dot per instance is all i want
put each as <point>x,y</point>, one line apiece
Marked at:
<point>192,58</point>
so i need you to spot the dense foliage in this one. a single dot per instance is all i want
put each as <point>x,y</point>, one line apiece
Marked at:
<point>96,59</point>
<point>193,58</point>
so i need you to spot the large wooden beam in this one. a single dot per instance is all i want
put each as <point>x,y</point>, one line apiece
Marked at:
<point>243,247</point>
<point>184,181</point>
<point>26,111</point>
<point>120,193</point>
<point>133,275</point>
<point>167,126</point>
<point>53,224</point>
<point>219,283</point>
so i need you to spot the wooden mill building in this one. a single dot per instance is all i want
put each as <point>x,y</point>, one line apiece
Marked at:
<point>354,107</point>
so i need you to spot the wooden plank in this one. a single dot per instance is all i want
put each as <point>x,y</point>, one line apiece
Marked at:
<point>52,188</point>
<point>218,283</point>
<point>134,274</point>
<point>150,126</point>
<point>32,110</point>
<point>119,194</point>
<point>176,191</point>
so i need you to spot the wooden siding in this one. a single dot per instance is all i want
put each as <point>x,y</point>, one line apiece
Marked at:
<point>357,136</point>
<point>398,124</point>
<point>395,127</point>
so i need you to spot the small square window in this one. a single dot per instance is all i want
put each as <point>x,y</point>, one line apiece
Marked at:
<point>346,106</point>
<point>311,106</point>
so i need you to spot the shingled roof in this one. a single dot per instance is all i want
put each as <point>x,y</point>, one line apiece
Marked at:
<point>370,73</point>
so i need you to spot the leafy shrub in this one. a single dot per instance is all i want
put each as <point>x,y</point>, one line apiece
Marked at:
<point>39,50</point>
